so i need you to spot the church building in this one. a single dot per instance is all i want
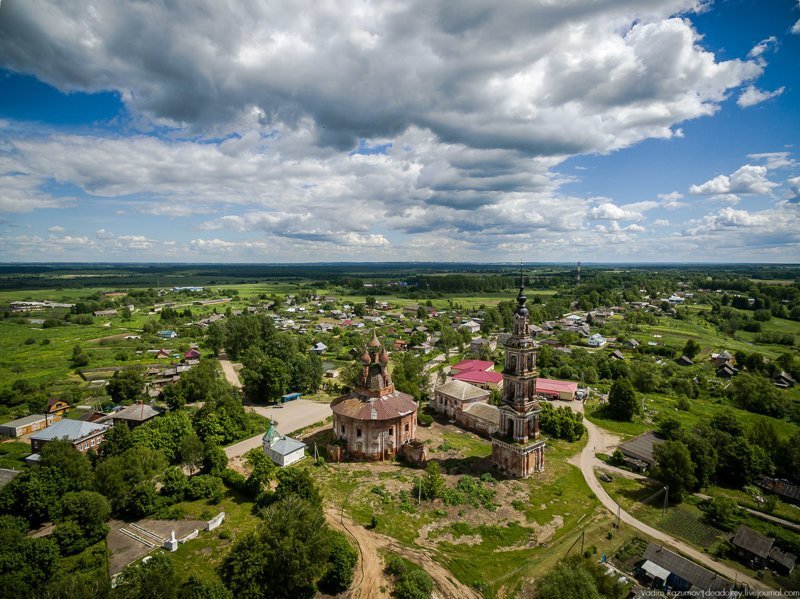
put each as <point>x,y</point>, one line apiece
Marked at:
<point>516,448</point>
<point>375,420</point>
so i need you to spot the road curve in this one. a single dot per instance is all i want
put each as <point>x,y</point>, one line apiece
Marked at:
<point>586,463</point>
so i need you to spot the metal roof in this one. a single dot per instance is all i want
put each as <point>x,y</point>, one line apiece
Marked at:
<point>72,430</point>
<point>655,570</point>
<point>752,541</point>
<point>699,577</point>
<point>461,390</point>
<point>24,421</point>
<point>362,407</point>
<point>138,412</point>
<point>484,412</point>
<point>286,445</point>
<point>641,447</point>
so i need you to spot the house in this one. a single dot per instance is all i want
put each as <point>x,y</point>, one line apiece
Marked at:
<point>104,313</point>
<point>400,345</point>
<point>482,418</point>
<point>552,389</point>
<point>25,426</point>
<point>472,326</point>
<point>723,357</point>
<point>192,354</point>
<point>638,452</point>
<point>476,346</point>
<point>163,354</point>
<point>617,355</point>
<point>283,451</point>
<point>481,378</point>
<point>597,340</point>
<point>6,476</point>
<point>135,414</point>
<point>56,407</point>
<point>453,397</point>
<point>167,334</point>
<point>727,371</point>
<point>780,487</point>
<point>319,348</point>
<point>471,365</point>
<point>632,343</point>
<point>682,575</point>
<point>685,361</point>
<point>83,435</point>
<point>784,380</point>
<point>758,551</point>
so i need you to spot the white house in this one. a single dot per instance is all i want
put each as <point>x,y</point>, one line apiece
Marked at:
<point>283,451</point>
<point>472,326</point>
<point>597,340</point>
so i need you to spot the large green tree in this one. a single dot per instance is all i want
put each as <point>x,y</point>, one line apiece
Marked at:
<point>126,386</point>
<point>622,402</point>
<point>674,467</point>
<point>265,378</point>
<point>284,557</point>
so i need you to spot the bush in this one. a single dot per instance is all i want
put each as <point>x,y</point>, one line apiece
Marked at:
<point>424,419</point>
<point>30,341</point>
<point>339,571</point>
<point>416,584</point>
<point>206,486</point>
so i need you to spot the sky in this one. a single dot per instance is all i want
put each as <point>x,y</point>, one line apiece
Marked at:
<point>404,130</point>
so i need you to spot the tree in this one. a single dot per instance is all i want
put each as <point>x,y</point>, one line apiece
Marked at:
<point>704,458</point>
<point>155,579</point>
<point>339,571</point>
<point>126,385</point>
<point>198,588</point>
<point>284,557</point>
<point>409,375</point>
<point>757,394</point>
<point>165,434</point>
<point>691,349</point>
<point>191,452</point>
<point>79,357</point>
<point>116,441</point>
<point>568,580</point>
<point>722,512</point>
<point>622,401</point>
<point>432,482</point>
<point>265,378</point>
<point>674,467</point>
<point>670,428</point>
<point>293,481</point>
<point>215,460</point>
<point>128,480</point>
<point>26,564</point>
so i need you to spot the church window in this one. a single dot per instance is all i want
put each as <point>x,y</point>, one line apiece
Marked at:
<point>406,428</point>
<point>343,429</point>
<point>358,432</point>
<point>391,431</point>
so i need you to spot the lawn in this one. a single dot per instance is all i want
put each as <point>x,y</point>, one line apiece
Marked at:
<point>13,454</point>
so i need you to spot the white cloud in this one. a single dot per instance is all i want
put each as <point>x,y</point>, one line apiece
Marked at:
<point>796,27</point>
<point>794,186</point>
<point>748,179</point>
<point>752,96</point>
<point>762,47</point>
<point>55,229</point>
<point>671,200</point>
<point>103,234</point>
<point>775,160</point>
<point>611,211</point>
<point>661,222</point>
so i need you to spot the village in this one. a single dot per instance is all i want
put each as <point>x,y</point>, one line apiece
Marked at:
<point>388,407</point>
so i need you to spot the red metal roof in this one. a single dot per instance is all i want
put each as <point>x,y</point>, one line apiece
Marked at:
<point>479,376</point>
<point>470,365</point>
<point>551,386</point>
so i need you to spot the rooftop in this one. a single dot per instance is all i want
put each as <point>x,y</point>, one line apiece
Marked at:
<point>479,376</point>
<point>461,390</point>
<point>138,412</point>
<point>72,430</point>
<point>25,420</point>
<point>469,365</point>
<point>752,541</point>
<point>387,407</point>
<point>484,412</point>
<point>641,447</point>
<point>697,576</point>
<point>556,386</point>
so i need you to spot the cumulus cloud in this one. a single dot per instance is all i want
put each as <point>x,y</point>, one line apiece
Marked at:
<point>775,160</point>
<point>672,200</point>
<point>796,28</point>
<point>55,229</point>
<point>794,186</point>
<point>748,179</point>
<point>611,211</point>
<point>762,46</point>
<point>661,222</point>
<point>752,96</point>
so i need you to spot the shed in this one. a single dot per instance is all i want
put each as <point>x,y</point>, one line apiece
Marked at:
<point>25,425</point>
<point>685,575</point>
<point>289,397</point>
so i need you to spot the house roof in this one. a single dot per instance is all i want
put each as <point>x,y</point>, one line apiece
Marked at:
<point>6,476</point>
<point>72,430</point>
<point>479,376</point>
<point>469,365</point>
<point>461,390</point>
<point>641,447</point>
<point>787,560</point>
<point>752,541</point>
<point>285,445</point>
<point>138,412</point>
<point>655,570</point>
<point>53,401</point>
<point>484,412</point>
<point>25,420</point>
<point>695,575</point>
<point>780,487</point>
<point>387,407</point>
<point>553,386</point>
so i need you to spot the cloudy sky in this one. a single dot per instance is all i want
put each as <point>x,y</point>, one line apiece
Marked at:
<point>535,130</point>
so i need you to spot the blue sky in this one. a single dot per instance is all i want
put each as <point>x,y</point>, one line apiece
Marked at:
<point>651,130</point>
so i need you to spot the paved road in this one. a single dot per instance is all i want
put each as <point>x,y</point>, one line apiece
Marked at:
<point>587,468</point>
<point>292,416</point>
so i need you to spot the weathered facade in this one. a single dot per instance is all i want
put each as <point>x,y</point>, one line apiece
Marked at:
<point>374,420</point>
<point>516,448</point>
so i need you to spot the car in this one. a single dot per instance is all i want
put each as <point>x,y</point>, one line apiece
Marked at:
<point>606,478</point>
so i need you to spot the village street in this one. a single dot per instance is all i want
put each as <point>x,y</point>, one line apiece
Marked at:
<point>599,441</point>
<point>287,417</point>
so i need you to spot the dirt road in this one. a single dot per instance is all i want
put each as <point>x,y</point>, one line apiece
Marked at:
<point>230,373</point>
<point>369,578</point>
<point>598,438</point>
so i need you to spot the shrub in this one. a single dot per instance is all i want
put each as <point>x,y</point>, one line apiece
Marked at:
<point>339,570</point>
<point>206,486</point>
<point>424,419</point>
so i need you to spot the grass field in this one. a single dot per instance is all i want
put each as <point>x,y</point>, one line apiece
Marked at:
<point>13,454</point>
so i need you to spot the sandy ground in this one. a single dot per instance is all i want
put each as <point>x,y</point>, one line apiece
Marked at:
<point>292,416</point>
<point>230,373</point>
<point>125,550</point>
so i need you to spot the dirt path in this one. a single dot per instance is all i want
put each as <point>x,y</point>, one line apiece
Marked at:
<point>370,578</point>
<point>230,373</point>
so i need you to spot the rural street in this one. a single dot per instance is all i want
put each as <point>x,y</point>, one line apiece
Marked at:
<point>292,416</point>
<point>230,373</point>
<point>586,462</point>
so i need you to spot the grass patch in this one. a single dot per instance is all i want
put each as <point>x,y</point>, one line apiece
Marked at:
<point>13,454</point>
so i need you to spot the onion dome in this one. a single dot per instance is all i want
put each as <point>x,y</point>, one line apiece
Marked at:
<point>384,358</point>
<point>374,341</point>
<point>365,357</point>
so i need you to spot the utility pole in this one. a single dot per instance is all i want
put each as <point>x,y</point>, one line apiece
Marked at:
<point>666,500</point>
<point>619,509</point>
<point>583,536</point>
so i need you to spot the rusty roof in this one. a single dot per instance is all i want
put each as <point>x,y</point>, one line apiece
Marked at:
<point>388,407</point>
